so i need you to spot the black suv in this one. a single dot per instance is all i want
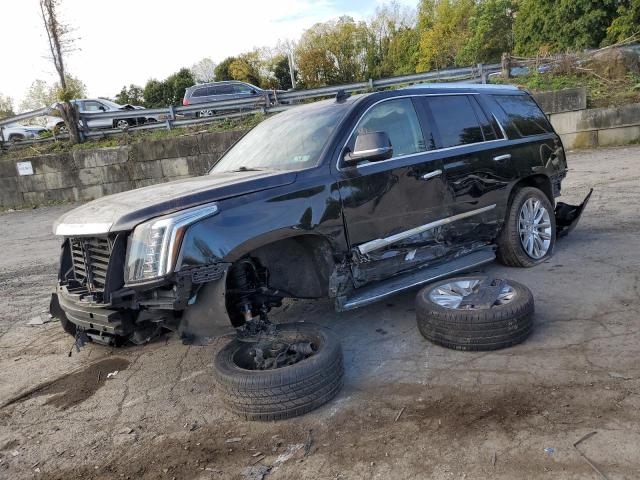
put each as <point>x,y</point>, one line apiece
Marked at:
<point>354,199</point>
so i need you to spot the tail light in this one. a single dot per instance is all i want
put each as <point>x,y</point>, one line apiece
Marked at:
<point>185,102</point>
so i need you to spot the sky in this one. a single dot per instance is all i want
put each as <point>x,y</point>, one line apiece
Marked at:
<point>129,41</point>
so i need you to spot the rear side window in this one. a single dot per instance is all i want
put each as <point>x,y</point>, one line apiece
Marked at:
<point>222,90</point>
<point>200,92</point>
<point>525,115</point>
<point>239,88</point>
<point>455,120</point>
<point>399,120</point>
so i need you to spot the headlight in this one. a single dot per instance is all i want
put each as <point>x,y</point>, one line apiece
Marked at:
<point>154,246</point>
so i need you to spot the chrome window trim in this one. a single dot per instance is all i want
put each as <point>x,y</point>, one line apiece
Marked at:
<point>401,157</point>
<point>378,243</point>
<point>504,134</point>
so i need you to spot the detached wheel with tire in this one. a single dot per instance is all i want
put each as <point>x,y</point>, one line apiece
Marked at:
<point>475,313</point>
<point>281,375</point>
<point>529,232</point>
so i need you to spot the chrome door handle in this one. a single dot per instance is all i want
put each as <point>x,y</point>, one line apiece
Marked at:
<point>435,173</point>
<point>499,158</point>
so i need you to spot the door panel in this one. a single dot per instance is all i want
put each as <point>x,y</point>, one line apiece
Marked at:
<point>385,202</point>
<point>477,169</point>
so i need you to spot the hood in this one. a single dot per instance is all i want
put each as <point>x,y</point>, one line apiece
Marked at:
<point>123,211</point>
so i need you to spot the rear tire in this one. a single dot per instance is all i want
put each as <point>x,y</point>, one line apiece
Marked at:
<point>513,237</point>
<point>284,392</point>
<point>480,329</point>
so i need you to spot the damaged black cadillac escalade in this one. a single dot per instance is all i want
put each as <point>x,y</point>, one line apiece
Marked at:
<point>354,198</point>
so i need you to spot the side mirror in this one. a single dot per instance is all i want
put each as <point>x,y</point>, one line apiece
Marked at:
<point>101,108</point>
<point>371,147</point>
<point>253,92</point>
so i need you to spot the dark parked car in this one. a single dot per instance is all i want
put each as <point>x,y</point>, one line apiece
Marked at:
<point>354,199</point>
<point>219,91</point>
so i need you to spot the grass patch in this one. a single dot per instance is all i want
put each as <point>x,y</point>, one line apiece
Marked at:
<point>600,92</point>
<point>130,138</point>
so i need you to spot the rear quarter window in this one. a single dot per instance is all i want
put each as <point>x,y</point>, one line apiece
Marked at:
<point>525,114</point>
<point>200,92</point>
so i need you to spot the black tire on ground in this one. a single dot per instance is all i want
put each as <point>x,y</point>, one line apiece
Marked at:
<point>510,250</point>
<point>476,329</point>
<point>284,392</point>
<point>16,137</point>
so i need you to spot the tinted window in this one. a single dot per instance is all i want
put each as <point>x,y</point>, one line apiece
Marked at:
<point>221,90</point>
<point>239,88</point>
<point>524,114</point>
<point>455,120</point>
<point>489,129</point>
<point>200,92</point>
<point>399,120</point>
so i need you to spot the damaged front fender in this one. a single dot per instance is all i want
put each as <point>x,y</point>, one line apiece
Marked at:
<point>567,216</point>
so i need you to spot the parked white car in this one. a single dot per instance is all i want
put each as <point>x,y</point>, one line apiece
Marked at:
<point>14,132</point>
<point>91,105</point>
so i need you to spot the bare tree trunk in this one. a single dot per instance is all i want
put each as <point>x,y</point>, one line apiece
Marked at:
<point>57,34</point>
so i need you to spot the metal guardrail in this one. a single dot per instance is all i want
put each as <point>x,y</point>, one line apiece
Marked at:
<point>267,103</point>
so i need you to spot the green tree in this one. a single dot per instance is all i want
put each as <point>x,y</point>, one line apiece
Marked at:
<point>557,25</point>
<point>626,23</point>
<point>42,94</point>
<point>247,68</point>
<point>332,52</point>
<point>222,69</point>
<point>6,106</point>
<point>132,95</point>
<point>170,91</point>
<point>391,41</point>
<point>444,31</point>
<point>491,28</point>
<point>281,72</point>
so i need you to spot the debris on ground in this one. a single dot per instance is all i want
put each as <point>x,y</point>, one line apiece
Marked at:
<point>233,440</point>
<point>595,469</point>
<point>38,320</point>
<point>308,444</point>
<point>549,450</point>
<point>112,374</point>
<point>255,472</point>
<point>399,414</point>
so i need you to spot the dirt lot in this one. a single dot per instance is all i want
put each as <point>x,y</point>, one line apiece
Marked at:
<point>508,414</point>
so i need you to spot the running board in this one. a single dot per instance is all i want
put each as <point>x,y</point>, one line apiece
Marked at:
<point>385,288</point>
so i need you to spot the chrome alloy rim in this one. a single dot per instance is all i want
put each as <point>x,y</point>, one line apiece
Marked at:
<point>206,113</point>
<point>122,124</point>
<point>534,228</point>
<point>451,295</point>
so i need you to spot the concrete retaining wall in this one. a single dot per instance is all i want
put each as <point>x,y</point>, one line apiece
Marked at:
<point>598,127</point>
<point>87,174</point>
<point>566,100</point>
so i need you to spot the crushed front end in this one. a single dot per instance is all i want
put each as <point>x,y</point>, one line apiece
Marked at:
<point>115,287</point>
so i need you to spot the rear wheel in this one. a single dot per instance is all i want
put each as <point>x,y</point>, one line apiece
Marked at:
<point>529,232</point>
<point>280,374</point>
<point>121,123</point>
<point>205,113</point>
<point>16,138</point>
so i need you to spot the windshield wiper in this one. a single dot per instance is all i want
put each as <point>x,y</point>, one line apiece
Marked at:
<point>247,169</point>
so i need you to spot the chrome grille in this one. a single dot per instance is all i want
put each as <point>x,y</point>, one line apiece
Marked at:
<point>91,261</point>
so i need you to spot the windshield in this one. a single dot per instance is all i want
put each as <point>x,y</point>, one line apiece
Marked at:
<point>291,140</point>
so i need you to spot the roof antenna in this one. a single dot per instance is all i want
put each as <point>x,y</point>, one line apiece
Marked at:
<point>341,96</point>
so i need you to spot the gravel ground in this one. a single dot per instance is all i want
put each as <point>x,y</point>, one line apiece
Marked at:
<point>508,414</point>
